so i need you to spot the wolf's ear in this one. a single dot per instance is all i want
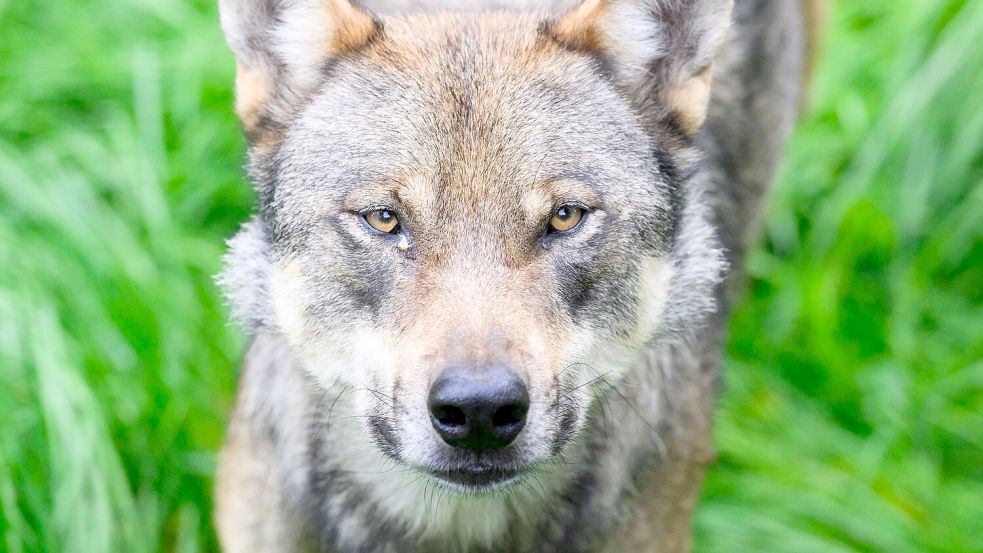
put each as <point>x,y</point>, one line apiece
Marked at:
<point>661,50</point>
<point>281,47</point>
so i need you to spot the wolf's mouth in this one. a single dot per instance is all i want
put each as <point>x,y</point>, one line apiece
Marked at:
<point>477,478</point>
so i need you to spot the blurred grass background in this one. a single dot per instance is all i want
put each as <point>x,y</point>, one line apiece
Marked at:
<point>852,417</point>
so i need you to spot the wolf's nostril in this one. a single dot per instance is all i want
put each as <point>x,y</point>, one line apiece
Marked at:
<point>509,414</point>
<point>449,415</point>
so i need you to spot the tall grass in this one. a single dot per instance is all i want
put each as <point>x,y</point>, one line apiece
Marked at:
<point>119,177</point>
<point>851,416</point>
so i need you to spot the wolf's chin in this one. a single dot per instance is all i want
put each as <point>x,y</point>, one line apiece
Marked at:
<point>477,479</point>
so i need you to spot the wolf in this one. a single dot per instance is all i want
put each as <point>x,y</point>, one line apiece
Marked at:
<point>488,277</point>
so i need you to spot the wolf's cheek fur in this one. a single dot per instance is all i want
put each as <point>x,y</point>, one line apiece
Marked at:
<point>346,349</point>
<point>601,356</point>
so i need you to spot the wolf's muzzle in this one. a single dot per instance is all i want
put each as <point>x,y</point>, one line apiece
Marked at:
<point>478,409</point>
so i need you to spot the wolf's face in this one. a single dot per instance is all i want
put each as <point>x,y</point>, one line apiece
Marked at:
<point>471,223</point>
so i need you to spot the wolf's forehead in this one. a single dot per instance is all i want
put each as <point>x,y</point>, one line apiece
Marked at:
<point>467,105</point>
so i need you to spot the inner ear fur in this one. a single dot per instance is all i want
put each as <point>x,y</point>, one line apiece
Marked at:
<point>660,47</point>
<point>280,48</point>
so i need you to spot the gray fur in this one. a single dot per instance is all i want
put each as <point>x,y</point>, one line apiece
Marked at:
<point>327,304</point>
<point>246,277</point>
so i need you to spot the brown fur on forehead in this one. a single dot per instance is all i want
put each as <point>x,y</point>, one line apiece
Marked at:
<point>464,114</point>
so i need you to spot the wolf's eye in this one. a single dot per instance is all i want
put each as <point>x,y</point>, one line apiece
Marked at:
<point>566,218</point>
<point>382,220</point>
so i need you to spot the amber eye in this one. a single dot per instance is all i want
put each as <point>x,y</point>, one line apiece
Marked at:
<point>382,220</point>
<point>566,218</point>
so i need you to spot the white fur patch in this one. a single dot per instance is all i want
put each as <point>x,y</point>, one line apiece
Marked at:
<point>656,276</point>
<point>287,298</point>
<point>534,202</point>
<point>631,36</point>
<point>302,40</point>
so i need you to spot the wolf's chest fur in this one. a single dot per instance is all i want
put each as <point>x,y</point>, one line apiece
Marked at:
<point>486,284</point>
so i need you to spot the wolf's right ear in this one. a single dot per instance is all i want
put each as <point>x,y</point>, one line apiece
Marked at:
<point>281,47</point>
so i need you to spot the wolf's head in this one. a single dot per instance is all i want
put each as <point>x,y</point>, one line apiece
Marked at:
<point>474,222</point>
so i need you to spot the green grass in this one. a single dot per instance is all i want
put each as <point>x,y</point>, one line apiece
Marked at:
<point>852,417</point>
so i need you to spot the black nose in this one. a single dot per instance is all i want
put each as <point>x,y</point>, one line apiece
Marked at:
<point>478,409</point>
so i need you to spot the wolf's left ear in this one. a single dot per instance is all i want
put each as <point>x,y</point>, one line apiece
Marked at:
<point>281,47</point>
<point>661,50</point>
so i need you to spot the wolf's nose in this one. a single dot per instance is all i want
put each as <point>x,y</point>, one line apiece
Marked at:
<point>478,409</point>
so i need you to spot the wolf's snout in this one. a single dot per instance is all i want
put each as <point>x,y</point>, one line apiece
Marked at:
<point>478,409</point>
